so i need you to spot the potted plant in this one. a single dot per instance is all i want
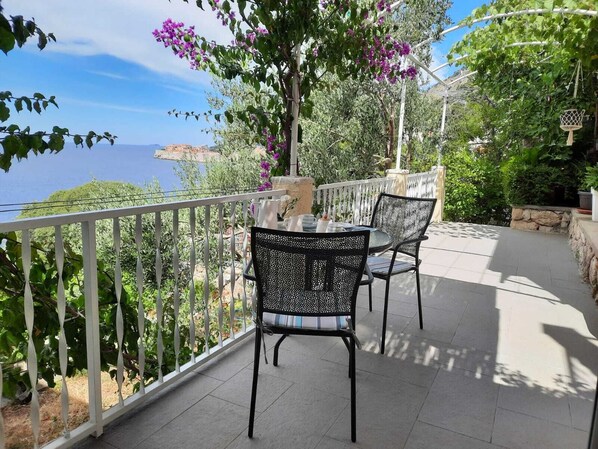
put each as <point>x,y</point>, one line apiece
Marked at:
<point>591,182</point>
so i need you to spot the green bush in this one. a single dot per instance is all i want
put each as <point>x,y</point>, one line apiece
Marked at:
<point>533,178</point>
<point>473,189</point>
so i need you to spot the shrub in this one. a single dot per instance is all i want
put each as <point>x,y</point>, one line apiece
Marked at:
<point>530,179</point>
<point>473,189</point>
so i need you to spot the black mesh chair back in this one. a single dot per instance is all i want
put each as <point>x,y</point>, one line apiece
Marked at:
<point>307,274</point>
<point>307,284</point>
<point>404,218</point>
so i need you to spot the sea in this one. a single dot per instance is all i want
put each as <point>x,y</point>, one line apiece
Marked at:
<point>35,178</point>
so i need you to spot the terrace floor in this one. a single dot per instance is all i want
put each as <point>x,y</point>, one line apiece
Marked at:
<point>508,358</point>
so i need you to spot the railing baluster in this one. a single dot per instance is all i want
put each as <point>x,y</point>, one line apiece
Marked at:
<point>62,344</point>
<point>159,305</point>
<point>176,293</point>
<point>192,263</point>
<point>92,325</point>
<point>206,286</point>
<point>220,274</point>
<point>119,313</point>
<point>31,353</point>
<point>245,207</point>
<point>233,274</point>
<point>140,308</point>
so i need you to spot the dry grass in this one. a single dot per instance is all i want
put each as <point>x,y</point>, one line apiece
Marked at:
<point>17,417</point>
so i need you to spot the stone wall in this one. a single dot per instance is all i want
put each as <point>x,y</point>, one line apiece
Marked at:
<point>550,219</point>
<point>583,238</point>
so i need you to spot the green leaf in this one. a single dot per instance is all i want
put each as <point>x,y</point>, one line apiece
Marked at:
<point>42,41</point>
<point>19,31</point>
<point>229,117</point>
<point>7,39</point>
<point>4,112</point>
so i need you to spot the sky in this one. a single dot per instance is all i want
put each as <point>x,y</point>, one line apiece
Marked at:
<point>109,74</point>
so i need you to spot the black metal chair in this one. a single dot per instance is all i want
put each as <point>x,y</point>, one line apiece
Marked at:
<point>306,284</point>
<point>406,220</point>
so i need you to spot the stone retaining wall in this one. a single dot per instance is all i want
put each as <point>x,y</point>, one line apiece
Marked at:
<point>550,219</point>
<point>583,238</point>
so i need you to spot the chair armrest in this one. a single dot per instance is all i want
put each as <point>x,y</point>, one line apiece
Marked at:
<point>410,241</point>
<point>247,274</point>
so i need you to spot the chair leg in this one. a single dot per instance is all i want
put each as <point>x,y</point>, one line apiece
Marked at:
<point>276,346</point>
<point>256,367</point>
<point>384,316</point>
<point>353,392</point>
<point>348,345</point>
<point>419,299</point>
<point>370,292</point>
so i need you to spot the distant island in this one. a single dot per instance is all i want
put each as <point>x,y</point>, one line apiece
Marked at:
<point>178,152</point>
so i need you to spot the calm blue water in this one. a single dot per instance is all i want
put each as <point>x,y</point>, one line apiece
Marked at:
<point>34,179</point>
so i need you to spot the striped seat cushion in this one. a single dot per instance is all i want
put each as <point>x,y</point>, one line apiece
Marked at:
<point>380,265</point>
<point>330,323</point>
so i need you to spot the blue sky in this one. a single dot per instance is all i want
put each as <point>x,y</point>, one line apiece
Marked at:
<point>108,73</point>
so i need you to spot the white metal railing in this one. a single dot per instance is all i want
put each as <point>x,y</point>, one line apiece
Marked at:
<point>352,201</point>
<point>422,185</point>
<point>159,253</point>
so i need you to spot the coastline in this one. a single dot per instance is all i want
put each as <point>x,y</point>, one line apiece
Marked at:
<point>180,152</point>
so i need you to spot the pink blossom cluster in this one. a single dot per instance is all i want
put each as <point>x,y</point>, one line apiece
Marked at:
<point>381,58</point>
<point>183,42</point>
<point>271,159</point>
<point>221,15</point>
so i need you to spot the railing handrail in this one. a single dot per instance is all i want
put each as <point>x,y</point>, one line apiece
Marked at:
<point>352,183</point>
<point>79,217</point>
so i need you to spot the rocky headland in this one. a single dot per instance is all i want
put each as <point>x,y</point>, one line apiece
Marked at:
<point>179,152</point>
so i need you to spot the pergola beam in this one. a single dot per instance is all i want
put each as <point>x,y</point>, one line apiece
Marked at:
<point>425,68</point>
<point>516,44</point>
<point>579,12</point>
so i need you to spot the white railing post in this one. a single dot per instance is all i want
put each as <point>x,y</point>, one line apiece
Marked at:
<point>92,325</point>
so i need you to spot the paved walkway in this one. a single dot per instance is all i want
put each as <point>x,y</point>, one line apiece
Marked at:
<point>508,358</point>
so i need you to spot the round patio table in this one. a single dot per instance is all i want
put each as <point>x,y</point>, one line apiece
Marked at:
<point>379,240</point>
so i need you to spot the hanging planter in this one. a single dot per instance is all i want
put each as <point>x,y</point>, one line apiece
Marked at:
<point>572,119</point>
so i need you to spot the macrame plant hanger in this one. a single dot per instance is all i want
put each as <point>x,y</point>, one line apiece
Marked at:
<point>572,119</point>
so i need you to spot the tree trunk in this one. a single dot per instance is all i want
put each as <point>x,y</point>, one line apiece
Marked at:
<point>390,141</point>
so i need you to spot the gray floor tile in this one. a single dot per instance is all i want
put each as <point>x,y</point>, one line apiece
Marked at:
<point>329,443</point>
<point>93,443</point>
<point>425,436</point>
<point>438,324</point>
<point>298,419</point>
<point>238,389</point>
<point>129,431</point>
<point>389,365</point>
<point>537,402</point>
<point>460,402</point>
<point>232,361</point>
<point>211,423</point>
<point>377,426</point>
<point>518,431</point>
<point>312,371</point>
<point>581,410</point>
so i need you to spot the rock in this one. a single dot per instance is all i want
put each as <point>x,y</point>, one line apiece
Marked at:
<point>524,225</point>
<point>526,215</point>
<point>177,152</point>
<point>517,213</point>
<point>546,217</point>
